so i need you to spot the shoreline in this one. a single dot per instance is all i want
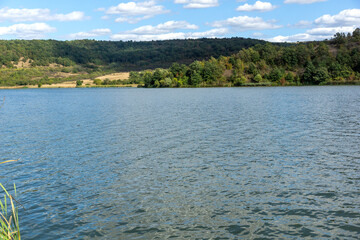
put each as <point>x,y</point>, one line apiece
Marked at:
<point>54,86</point>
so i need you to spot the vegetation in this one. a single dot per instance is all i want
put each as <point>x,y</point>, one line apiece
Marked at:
<point>46,75</point>
<point>182,63</point>
<point>39,62</point>
<point>9,219</point>
<point>117,54</point>
<point>336,61</point>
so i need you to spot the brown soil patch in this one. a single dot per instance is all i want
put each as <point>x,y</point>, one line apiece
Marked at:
<point>22,63</point>
<point>116,76</point>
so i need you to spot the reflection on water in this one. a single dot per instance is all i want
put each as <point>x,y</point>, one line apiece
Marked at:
<point>184,163</point>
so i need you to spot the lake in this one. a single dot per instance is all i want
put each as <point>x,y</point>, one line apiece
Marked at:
<point>215,163</point>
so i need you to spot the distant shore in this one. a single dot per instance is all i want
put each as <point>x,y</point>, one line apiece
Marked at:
<point>73,85</point>
<point>86,83</point>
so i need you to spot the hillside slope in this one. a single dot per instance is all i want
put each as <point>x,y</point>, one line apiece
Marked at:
<point>117,54</point>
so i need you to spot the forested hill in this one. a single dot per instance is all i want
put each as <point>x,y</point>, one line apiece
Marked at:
<point>183,63</point>
<point>335,61</point>
<point>118,55</point>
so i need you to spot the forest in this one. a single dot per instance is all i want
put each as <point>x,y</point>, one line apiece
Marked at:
<point>183,63</point>
<point>334,61</point>
<point>118,55</point>
<point>51,61</point>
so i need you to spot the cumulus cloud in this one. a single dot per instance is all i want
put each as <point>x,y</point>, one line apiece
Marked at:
<point>198,3</point>
<point>162,28</point>
<point>213,33</point>
<point>27,31</point>
<point>257,6</point>
<point>303,1</point>
<point>168,36</point>
<point>166,31</point>
<point>302,24</point>
<point>133,12</point>
<point>346,17</point>
<point>324,27</point>
<point>37,14</point>
<point>312,34</point>
<point>245,23</point>
<point>91,34</point>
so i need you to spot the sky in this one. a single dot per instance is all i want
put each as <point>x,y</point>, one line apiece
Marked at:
<point>147,20</point>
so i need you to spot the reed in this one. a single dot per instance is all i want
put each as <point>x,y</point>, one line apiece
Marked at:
<point>9,218</point>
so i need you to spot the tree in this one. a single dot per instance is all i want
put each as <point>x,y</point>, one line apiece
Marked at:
<point>275,75</point>
<point>321,75</point>
<point>356,33</point>
<point>239,81</point>
<point>79,83</point>
<point>97,82</point>
<point>339,38</point>
<point>258,78</point>
<point>252,69</point>
<point>308,75</point>
<point>289,77</point>
<point>212,71</point>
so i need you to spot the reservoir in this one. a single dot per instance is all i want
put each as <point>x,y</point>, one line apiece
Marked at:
<point>206,163</point>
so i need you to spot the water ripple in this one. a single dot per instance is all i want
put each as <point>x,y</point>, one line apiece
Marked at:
<point>248,163</point>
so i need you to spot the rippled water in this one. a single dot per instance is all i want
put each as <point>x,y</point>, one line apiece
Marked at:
<point>184,163</point>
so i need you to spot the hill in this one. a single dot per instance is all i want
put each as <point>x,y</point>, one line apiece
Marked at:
<point>118,54</point>
<point>335,61</point>
<point>182,63</point>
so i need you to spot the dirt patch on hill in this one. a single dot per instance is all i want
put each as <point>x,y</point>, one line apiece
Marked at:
<point>116,76</point>
<point>22,63</point>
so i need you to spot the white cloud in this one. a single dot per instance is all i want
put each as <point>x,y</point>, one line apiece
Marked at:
<point>37,14</point>
<point>147,37</point>
<point>303,1</point>
<point>244,23</point>
<point>313,34</point>
<point>346,17</point>
<point>258,34</point>
<point>126,36</point>
<point>257,6</point>
<point>162,28</point>
<point>213,33</point>
<point>130,20</point>
<point>325,27</point>
<point>27,31</point>
<point>329,31</point>
<point>133,12</point>
<point>91,34</point>
<point>302,24</point>
<point>198,3</point>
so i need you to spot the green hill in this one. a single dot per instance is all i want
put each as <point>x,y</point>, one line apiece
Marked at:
<point>117,54</point>
<point>335,61</point>
<point>183,63</point>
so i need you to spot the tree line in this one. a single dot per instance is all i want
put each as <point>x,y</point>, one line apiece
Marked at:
<point>334,61</point>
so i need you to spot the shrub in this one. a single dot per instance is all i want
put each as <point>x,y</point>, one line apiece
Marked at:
<point>9,219</point>
<point>79,83</point>
<point>258,78</point>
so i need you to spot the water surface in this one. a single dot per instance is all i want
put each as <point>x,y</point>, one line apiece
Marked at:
<point>219,163</point>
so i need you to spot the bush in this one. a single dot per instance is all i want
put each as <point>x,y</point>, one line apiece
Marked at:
<point>79,83</point>
<point>97,82</point>
<point>239,81</point>
<point>258,78</point>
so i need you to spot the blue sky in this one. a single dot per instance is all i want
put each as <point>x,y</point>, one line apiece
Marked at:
<point>144,20</point>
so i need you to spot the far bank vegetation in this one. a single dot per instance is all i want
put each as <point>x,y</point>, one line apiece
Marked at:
<point>181,63</point>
